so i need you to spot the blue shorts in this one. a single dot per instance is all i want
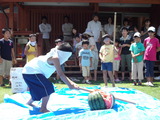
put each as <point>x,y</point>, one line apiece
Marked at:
<point>39,86</point>
<point>107,66</point>
<point>149,68</point>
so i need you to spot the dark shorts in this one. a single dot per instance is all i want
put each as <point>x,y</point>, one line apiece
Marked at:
<point>149,68</point>
<point>39,86</point>
<point>107,66</point>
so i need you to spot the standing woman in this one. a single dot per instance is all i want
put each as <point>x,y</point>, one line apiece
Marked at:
<point>125,53</point>
<point>144,30</point>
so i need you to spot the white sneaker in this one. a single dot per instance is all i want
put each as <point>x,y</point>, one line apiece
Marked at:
<point>88,82</point>
<point>147,83</point>
<point>157,78</point>
<point>150,84</point>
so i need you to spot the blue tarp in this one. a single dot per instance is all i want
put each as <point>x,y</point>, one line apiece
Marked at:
<point>68,104</point>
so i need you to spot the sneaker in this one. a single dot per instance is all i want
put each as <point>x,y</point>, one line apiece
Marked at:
<point>147,83</point>
<point>117,80</point>
<point>139,83</point>
<point>83,81</point>
<point>134,83</point>
<point>157,78</point>
<point>150,84</point>
<point>2,85</point>
<point>88,82</point>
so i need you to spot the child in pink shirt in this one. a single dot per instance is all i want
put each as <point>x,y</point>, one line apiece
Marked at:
<point>152,47</point>
<point>117,59</point>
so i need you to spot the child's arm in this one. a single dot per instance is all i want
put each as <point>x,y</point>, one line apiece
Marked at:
<point>26,50</point>
<point>101,56</point>
<point>158,49</point>
<point>120,50</point>
<point>13,56</point>
<point>141,53</point>
<point>80,59</point>
<point>36,54</point>
<point>90,61</point>
<point>63,77</point>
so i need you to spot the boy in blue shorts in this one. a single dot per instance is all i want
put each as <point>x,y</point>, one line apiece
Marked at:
<point>106,55</point>
<point>37,71</point>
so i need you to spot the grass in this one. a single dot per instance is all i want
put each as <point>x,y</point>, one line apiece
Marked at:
<point>153,91</point>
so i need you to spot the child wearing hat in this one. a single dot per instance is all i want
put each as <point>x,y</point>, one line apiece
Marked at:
<point>31,48</point>
<point>152,46</point>
<point>92,46</point>
<point>137,50</point>
<point>106,54</point>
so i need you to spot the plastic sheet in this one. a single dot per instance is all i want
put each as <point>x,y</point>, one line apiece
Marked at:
<point>68,104</point>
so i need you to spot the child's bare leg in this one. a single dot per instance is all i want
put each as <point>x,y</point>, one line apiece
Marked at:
<point>123,73</point>
<point>116,74</point>
<point>44,104</point>
<point>105,77</point>
<point>110,73</point>
<point>90,76</point>
<point>151,79</point>
<point>95,75</point>
<point>30,102</point>
<point>1,79</point>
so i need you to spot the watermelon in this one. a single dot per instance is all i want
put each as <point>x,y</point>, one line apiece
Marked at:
<point>95,101</point>
<point>100,100</point>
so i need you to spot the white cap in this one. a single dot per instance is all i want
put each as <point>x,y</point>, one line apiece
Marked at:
<point>153,29</point>
<point>137,34</point>
<point>88,32</point>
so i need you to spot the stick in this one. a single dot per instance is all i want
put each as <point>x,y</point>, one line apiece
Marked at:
<point>114,32</point>
<point>124,100</point>
<point>114,96</point>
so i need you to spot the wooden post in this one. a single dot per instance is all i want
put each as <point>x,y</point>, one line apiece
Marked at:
<point>115,22</point>
<point>11,15</point>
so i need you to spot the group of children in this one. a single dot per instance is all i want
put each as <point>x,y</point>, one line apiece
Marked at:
<point>110,57</point>
<point>7,54</point>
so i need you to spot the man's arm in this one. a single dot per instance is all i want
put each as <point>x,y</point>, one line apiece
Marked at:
<point>49,28</point>
<point>42,30</point>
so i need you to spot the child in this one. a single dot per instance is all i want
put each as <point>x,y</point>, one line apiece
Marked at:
<point>31,48</point>
<point>125,54</point>
<point>117,59</point>
<point>106,57</point>
<point>78,45</point>
<point>37,71</point>
<point>7,55</point>
<point>137,50</point>
<point>152,47</point>
<point>85,61</point>
<point>92,46</point>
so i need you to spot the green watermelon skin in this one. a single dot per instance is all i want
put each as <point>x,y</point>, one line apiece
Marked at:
<point>95,101</point>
